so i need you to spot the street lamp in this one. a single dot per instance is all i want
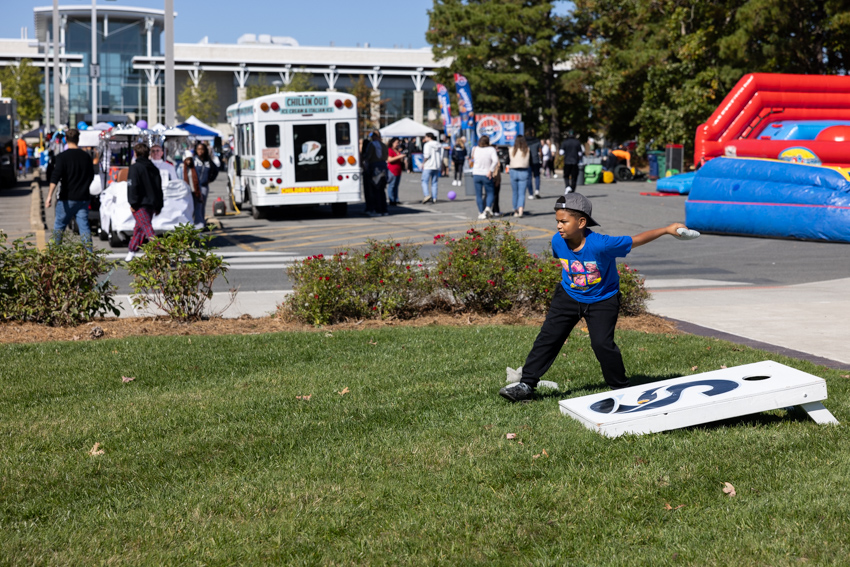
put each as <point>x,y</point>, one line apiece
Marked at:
<point>277,84</point>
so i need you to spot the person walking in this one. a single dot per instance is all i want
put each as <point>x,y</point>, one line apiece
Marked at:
<point>485,162</point>
<point>546,157</point>
<point>520,165</point>
<point>144,193</point>
<point>73,172</point>
<point>206,170</point>
<point>22,156</point>
<point>394,166</point>
<point>430,168</point>
<point>459,158</point>
<point>534,150</point>
<point>572,151</point>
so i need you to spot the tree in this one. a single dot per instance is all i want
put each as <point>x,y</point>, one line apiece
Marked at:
<point>200,101</point>
<point>365,98</point>
<point>21,82</point>
<point>513,52</point>
<point>299,82</point>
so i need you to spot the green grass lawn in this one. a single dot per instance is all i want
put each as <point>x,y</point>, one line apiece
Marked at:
<point>210,459</point>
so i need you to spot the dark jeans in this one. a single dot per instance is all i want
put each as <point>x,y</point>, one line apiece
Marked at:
<point>570,175</point>
<point>564,313</point>
<point>458,171</point>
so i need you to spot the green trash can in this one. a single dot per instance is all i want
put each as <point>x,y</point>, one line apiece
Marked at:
<point>592,173</point>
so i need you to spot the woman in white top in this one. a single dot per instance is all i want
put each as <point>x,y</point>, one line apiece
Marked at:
<point>485,162</point>
<point>520,162</point>
<point>545,157</point>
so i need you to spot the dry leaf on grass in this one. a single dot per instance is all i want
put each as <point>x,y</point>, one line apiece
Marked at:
<point>723,366</point>
<point>373,343</point>
<point>668,507</point>
<point>542,453</point>
<point>96,450</point>
<point>125,379</point>
<point>729,489</point>
<point>344,391</point>
<point>694,368</point>
<point>510,436</point>
<point>845,375</point>
<point>304,398</point>
<point>329,335</point>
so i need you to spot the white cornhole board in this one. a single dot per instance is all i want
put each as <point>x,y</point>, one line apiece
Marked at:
<point>701,398</point>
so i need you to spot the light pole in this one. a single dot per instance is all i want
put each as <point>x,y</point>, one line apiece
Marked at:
<point>277,85</point>
<point>94,68</point>
<point>168,77</point>
<point>56,115</point>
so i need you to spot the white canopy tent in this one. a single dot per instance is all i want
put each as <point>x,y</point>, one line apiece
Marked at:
<point>406,128</point>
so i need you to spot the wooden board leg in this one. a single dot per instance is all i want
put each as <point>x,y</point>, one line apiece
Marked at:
<point>819,413</point>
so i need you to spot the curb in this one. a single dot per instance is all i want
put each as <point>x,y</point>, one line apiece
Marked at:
<point>37,218</point>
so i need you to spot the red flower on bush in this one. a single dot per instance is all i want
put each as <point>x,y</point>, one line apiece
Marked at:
<point>491,282</point>
<point>366,255</point>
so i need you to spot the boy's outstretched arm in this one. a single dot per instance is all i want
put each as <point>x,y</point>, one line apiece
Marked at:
<point>650,235</point>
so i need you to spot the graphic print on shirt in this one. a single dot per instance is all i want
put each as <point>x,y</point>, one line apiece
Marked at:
<point>581,275</point>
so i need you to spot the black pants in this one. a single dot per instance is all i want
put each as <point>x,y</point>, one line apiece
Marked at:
<point>564,313</point>
<point>458,171</point>
<point>570,175</point>
<point>375,193</point>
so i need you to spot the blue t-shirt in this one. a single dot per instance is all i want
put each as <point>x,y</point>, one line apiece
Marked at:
<point>590,275</point>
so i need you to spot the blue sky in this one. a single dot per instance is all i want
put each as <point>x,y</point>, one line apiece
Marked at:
<point>385,23</point>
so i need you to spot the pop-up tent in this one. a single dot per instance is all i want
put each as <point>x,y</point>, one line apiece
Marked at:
<point>198,129</point>
<point>406,128</point>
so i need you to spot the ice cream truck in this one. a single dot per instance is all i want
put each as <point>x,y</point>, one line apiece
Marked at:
<point>295,148</point>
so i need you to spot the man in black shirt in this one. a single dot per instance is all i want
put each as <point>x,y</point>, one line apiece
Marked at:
<point>74,172</point>
<point>534,151</point>
<point>572,151</point>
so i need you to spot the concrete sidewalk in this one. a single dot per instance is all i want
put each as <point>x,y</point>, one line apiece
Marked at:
<point>253,303</point>
<point>809,318</point>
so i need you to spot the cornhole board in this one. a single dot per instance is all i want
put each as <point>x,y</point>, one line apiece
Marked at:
<point>701,398</point>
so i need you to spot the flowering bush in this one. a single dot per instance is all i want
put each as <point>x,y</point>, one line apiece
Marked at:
<point>490,270</point>
<point>386,279</point>
<point>487,270</point>
<point>633,293</point>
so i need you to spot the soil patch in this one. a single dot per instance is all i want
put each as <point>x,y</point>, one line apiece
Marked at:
<point>109,328</point>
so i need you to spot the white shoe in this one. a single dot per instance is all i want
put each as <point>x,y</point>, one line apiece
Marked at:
<point>482,216</point>
<point>488,213</point>
<point>130,256</point>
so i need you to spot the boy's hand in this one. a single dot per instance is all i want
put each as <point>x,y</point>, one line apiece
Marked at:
<point>673,228</point>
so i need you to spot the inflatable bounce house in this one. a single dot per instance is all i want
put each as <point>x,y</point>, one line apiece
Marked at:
<point>797,127</point>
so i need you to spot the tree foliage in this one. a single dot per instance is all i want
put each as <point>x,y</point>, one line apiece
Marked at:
<point>644,69</point>
<point>200,101</point>
<point>21,82</point>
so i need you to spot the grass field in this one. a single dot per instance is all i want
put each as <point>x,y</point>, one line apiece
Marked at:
<point>398,457</point>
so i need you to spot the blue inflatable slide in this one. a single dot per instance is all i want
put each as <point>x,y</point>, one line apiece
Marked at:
<point>758,197</point>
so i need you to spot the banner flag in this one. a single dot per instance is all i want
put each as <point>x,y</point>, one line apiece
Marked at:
<point>464,101</point>
<point>445,108</point>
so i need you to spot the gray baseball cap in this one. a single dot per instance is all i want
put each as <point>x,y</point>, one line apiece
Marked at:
<point>576,202</point>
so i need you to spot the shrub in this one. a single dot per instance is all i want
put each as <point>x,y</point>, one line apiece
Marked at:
<point>490,270</point>
<point>176,273</point>
<point>633,291</point>
<point>57,286</point>
<point>386,279</point>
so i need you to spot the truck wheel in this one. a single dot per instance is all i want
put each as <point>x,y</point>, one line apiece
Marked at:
<point>258,212</point>
<point>339,209</point>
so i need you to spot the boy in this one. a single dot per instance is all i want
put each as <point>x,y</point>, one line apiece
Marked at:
<point>590,288</point>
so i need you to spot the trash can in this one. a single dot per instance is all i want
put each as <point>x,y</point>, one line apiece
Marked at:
<point>656,164</point>
<point>468,183</point>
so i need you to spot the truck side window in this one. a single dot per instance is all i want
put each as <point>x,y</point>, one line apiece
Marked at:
<point>343,134</point>
<point>272,136</point>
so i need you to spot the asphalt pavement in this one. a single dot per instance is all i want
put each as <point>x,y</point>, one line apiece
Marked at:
<point>785,296</point>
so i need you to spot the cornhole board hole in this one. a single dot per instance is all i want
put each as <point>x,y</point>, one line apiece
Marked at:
<point>701,398</point>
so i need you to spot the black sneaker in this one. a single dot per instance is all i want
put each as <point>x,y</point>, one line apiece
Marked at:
<point>518,392</point>
<point>426,200</point>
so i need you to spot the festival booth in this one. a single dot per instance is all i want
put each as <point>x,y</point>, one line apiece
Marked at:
<point>407,128</point>
<point>759,197</point>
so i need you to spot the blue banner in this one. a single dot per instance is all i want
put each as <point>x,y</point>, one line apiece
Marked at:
<point>464,101</point>
<point>445,108</point>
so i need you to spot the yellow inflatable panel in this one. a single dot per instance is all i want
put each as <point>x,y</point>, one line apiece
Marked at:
<point>607,177</point>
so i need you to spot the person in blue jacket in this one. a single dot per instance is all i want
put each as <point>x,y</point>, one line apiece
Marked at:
<point>590,289</point>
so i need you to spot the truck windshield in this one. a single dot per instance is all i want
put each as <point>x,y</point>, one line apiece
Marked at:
<point>5,126</point>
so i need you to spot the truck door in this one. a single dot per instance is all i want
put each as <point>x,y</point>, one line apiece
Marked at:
<point>309,147</point>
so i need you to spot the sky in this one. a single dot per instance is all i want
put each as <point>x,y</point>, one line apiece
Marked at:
<point>311,22</point>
